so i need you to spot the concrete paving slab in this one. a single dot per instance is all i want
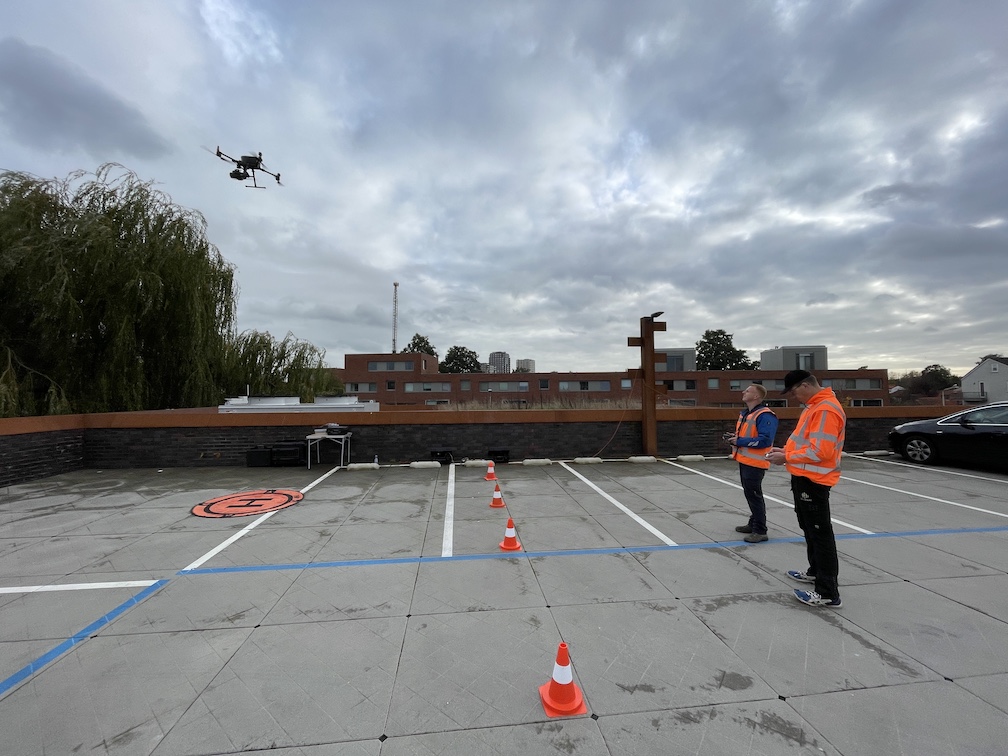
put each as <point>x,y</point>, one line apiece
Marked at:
<point>596,578</point>
<point>755,728</point>
<point>560,736</point>
<point>987,594</point>
<point>371,540</point>
<point>196,602</point>
<point>280,545</point>
<point>362,591</point>
<point>650,656</point>
<point>544,533</point>
<point>987,549</point>
<point>472,670</point>
<point>57,615</point>
<point>116,694</point>
<point>947,636</point>
<point>477,585</point>
<point>910,560</point>
<point>337,626</point>
<point>61,555</point>
<point>707,572</point>
<point>991,688</point>
<point>632,534</point>
<point>164,551</point>
<point>931,719</point>
<point>799,651</point>
<point>777,556</point>
<point>295,685</point>
<point>559,505</point>
<point>137,519</point>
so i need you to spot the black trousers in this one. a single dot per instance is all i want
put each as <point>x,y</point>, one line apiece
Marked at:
<point>812,507</point>
<point>752,487</point>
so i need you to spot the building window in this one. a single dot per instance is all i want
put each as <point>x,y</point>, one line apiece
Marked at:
<point>682,402</point>
<point>866,402</point>
<point>427,386</point>
<point>713,383</point>
<point>805,361</point>
<point>361,388</point>
<point>433,402</point>
<point>390,385</point>
<point>735,385</point>
<point>382,367</point>
<point>626,384</point>
<point>489,386</point>
<point>465,385</point>
<point>584,386</point>
<point>544,384</point>
<point>674,363</point>
<point>689,385</point>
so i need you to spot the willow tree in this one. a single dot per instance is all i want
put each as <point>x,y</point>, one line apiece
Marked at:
<point>258,363</point>
<point>113,298</point>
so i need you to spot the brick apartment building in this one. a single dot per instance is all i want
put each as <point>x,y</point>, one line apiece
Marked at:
<point>413,381</point>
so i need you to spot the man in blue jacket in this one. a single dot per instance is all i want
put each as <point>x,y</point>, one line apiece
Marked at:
<point>753,438</point>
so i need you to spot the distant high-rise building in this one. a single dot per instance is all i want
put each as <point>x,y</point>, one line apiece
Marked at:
<point>500,362</point>
<point>485,367</point>
<point>525,366</point>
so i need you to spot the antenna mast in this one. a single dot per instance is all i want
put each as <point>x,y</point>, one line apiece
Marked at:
<point>395,314</point>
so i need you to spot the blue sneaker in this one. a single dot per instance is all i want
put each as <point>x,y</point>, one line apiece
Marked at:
<point>814,599</point>
<point>801,577</point>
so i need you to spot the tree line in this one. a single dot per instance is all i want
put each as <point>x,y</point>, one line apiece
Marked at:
<point>715,351</point>
<point>115,300</point>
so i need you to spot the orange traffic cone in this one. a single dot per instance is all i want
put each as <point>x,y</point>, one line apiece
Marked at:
<point>510,542</point>
<point>497,501</point>
<point>490,471</point>
<point>560,696</point>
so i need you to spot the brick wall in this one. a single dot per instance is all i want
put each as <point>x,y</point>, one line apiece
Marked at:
<point>29,456</point>
<point>37,448</point>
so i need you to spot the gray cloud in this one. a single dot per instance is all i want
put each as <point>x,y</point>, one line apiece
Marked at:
<point>48,103</point>
<point>537,176</point>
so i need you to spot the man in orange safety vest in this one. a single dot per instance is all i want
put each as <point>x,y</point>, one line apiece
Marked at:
<point>754,436</point>
<point>812,456</point>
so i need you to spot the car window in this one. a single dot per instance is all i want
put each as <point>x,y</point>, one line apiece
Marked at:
<point>987,416</point>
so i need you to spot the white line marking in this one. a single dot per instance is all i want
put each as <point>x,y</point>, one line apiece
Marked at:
<point>315,482</point>
<point>248,528</point>
<point>78,586</point>
<point>765,496</point>
<point>924,496</point>
<point>940,470</point>
<point>220,547</point>
<point>449,515</point>
<point>635,517</point>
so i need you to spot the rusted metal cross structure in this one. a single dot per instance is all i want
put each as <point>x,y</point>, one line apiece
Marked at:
<point>649,417</point>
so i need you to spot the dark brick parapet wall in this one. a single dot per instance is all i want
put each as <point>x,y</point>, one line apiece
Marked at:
<point>31,450</point>
<point>29,456</point>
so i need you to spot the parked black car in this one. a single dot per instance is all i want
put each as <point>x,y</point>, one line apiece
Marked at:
<point>977,435</point>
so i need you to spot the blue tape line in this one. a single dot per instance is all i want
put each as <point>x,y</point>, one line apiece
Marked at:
<point>572,552</point>
<point>82,635</point>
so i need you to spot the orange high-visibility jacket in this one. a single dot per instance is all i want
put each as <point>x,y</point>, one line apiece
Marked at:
<point>813,450</point>
<point>745,427</point>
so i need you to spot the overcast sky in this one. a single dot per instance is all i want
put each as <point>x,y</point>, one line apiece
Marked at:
<point>539,175</point>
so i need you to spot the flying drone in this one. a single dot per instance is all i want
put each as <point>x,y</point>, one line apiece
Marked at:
<point>246,166</point>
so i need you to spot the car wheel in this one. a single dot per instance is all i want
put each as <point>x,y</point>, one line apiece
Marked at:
<point>919,449</point>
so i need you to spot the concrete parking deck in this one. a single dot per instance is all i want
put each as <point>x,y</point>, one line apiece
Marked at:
<point>379,616</point>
